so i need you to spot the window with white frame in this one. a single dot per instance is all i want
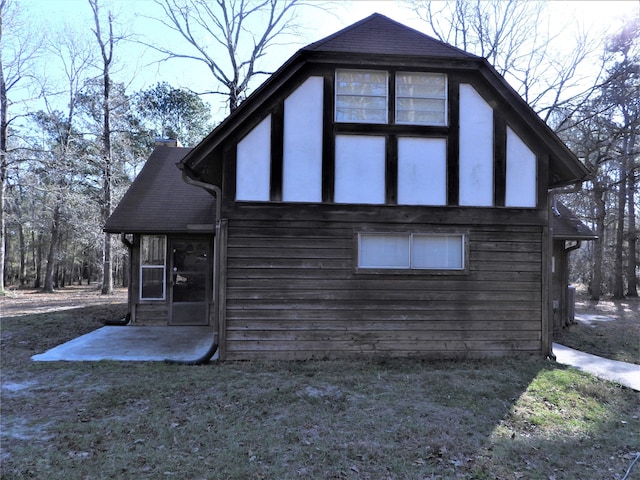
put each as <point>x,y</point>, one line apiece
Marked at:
<point>421,98</point>
<point>153,252</point>
<point>362,96</point>
<point>414,251</point>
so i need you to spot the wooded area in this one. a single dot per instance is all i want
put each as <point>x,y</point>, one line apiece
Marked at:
<point>71,143</point>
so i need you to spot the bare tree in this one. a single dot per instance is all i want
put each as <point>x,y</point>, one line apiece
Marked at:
<point>228,36</point>
<point>515,37</point>
<point>106,42</point>
<point>17,53</point>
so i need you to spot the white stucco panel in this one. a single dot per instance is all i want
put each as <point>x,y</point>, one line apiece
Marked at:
<point>253,164</point>
<point>360,169</point>
<point>521,188</point>
<point>476,149</point>
<point>422,171</point>
<point>302,156</point>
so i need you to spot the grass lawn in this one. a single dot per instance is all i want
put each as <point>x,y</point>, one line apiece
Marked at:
<point>360,419</point>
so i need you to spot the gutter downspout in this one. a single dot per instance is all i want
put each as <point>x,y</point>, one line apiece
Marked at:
<point>124,321</point>
<point>213,348</point>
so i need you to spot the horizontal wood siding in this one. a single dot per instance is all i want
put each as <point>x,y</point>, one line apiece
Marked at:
<point>293,292</point>
<point>152,313</point>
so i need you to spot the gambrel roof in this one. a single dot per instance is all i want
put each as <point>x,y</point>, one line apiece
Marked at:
<point>160,201</point>
<point>380,41</point>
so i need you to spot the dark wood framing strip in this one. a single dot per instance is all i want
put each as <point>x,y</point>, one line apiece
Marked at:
<point>391,170</point>
<point>277,151</point>
<point>328,141</point>
<point>453,142</point>
<point>499,159</point>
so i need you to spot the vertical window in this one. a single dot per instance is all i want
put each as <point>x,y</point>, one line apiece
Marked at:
<point>421,98</point>
<point>153,252</point>
<point>411,251</point>
<point>362,96</point>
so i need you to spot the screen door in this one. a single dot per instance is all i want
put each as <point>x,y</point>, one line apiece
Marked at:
<point>190,281</point>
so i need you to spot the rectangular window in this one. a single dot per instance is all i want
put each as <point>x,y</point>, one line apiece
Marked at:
<point>411,251</point>
<point>153,253</point>
<point>362,96</point>
<point>421,98</point>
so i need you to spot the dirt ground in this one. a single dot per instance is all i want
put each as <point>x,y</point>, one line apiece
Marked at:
<point>29,301</point>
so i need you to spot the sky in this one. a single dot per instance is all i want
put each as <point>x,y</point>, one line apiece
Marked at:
<point>138,68</point>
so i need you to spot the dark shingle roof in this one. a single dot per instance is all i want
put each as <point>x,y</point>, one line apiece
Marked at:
<point>159,200</point>
<point>380,35</point>
<point>566,226</point>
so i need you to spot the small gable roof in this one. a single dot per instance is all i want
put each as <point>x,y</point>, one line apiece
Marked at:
<point>160,201</point>
<point>566,226</point>
<point>378,39</point>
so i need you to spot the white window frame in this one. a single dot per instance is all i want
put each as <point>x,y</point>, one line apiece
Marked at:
<point>440,97</point>
<point>153,266</point>
<point>409,265</point>
<point>339,93</point>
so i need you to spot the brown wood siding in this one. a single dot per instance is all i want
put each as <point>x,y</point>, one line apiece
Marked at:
<point>152,313</point>
<point>292,290</point>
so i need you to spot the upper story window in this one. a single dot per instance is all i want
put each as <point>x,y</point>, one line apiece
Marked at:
<point>362,96</point>
<point>421,98</point>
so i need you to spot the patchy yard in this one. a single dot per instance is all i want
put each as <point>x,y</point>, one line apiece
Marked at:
<point>362,419</point>
<point>605,328</point>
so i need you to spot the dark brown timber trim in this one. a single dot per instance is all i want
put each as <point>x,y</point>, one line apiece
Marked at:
<point>453,143</point>
<point>499,159</point>
<point>277,149</point>
<point>328,142</point>
<point>391,170</point>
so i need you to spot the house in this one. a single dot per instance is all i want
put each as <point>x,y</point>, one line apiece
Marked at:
<point>382,193</point>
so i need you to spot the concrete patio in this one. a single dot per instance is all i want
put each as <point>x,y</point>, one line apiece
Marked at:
<point>137,344</point>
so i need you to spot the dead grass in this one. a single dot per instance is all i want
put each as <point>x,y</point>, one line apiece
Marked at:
<point>362,419</point>
<point>605,328</point>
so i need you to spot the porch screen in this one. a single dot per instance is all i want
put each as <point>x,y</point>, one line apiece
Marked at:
<point>153,250</point>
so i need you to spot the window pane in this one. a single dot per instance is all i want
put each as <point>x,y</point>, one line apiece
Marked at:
<point>152,283</point>
<point>152,250</point>
<point>361,96</point>
<point>361,82</point>
<point>421,98</point>
<point>384,251</point>
<point>437,252</point>
<point>421,85</point>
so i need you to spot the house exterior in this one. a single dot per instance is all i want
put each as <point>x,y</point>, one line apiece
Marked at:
<point>382,193</point>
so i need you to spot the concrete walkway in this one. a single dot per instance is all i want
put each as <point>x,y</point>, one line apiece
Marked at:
<point>137,344</point>
<point>627,374</point>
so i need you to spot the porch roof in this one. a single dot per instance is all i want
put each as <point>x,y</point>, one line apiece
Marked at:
<point>160,201</point>
<point>566,226</point>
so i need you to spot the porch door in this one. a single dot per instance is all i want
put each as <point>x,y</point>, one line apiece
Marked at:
<point>190,285</point>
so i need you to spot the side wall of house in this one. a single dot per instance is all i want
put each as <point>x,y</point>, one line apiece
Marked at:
<point>301,185</point>
<point>294,292</point>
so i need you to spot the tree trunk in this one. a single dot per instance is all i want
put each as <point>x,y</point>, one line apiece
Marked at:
<point>23,256</point>
<point>4,161</point>
<point>49,279</point>
<point>618,271</point>
<point>595,290</point>
<point>632,235</point>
